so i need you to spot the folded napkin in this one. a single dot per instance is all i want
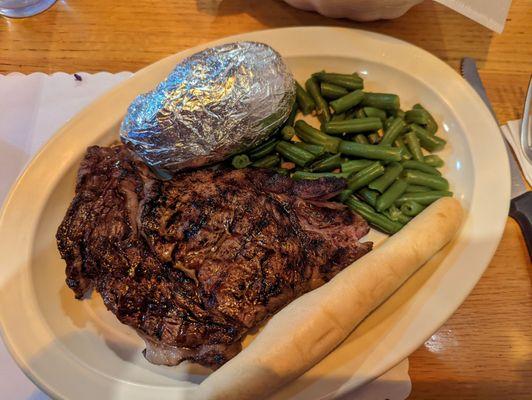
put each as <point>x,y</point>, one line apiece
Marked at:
<point>33,108</point>
<point>490,13</point>
<point>512,133</point>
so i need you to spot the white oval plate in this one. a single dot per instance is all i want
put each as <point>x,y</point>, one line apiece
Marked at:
<point>77,349</point>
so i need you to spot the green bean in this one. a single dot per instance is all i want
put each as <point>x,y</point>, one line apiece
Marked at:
<point>375,112</point>
<point>395,214</point>
<point>391,194</point>
<point>417,189</point>
<point>392,132</point>
<point>240,161</point>
<point>312,135</point>
<point>397,113</point>
<point>365,176</point>
<point>323,75</point>
<point>423,198</point>
<point>360,138</point>
<point>412,143</point>
<point>322,108</point>
<point>368,213</point>
<point>388,122</point>
<point>344,195</point>
<point>360,204</point>
<point>427,140</point>
<point>355,165</point>
<point>390,174</point>
<point>411,208</point>
<point>315,149</point>
<point>269,161</point>
<point>353,126</point>
<point>353,114</point>
<point>405,153</point>
<point>373,138</point>
<point>358,114</point>
<point>348,101</point>
<point>338,117</point>
<point>294,153</point>
<point>298,175</point>
<point>424,179</point>
<point>263,149</point>
<point>292,117</point>
<point>281,171</point>
<point>384,101</point>
<point>369,196</point>
<point>304,100</point>
<point>434,161</point>
<point>369,151</point>
<point>420,166</point>
<point>332,91</point>
<point>362,178</point>
<point>399,142</point>
<point>327,164</point>
<point>417,116</point>
<point>288,132</point>
<point>351,82</point>
<point>432,125</point>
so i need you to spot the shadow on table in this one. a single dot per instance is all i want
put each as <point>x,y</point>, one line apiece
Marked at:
<point>429,25</point>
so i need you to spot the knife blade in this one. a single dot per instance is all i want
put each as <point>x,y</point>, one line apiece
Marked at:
<point>521,203</point>
<point>470,73</point>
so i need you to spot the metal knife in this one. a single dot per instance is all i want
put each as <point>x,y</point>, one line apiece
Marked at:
<point>521,203</point>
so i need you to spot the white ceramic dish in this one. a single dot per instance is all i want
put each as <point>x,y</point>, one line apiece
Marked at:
<point>74,349</point>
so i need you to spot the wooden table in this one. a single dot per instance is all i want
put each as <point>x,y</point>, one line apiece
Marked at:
<point>485,350</point>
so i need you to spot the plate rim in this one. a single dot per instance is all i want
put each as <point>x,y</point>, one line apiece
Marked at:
<point>34,163</point>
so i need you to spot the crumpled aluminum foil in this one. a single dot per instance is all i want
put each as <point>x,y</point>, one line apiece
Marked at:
<point>214,104</point>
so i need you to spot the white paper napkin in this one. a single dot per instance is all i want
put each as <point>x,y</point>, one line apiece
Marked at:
<point>32,108</point>
<point>490,13</point>
<point>512,132</point>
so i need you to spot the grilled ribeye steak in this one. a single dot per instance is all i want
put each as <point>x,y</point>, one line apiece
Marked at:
<point>195,262</point>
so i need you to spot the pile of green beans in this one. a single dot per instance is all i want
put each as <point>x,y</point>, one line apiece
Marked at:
<point>383,153</point>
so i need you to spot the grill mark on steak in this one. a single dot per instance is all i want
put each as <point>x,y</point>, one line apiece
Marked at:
<point>196,262</point>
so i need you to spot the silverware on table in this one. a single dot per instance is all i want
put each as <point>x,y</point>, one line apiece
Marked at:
<point>526,141</point>
<point>521,203</point>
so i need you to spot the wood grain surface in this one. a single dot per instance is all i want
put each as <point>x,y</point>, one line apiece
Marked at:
<point>485,350</point>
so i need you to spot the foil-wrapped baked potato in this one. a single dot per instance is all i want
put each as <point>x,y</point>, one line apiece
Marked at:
<point>214,104</point>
